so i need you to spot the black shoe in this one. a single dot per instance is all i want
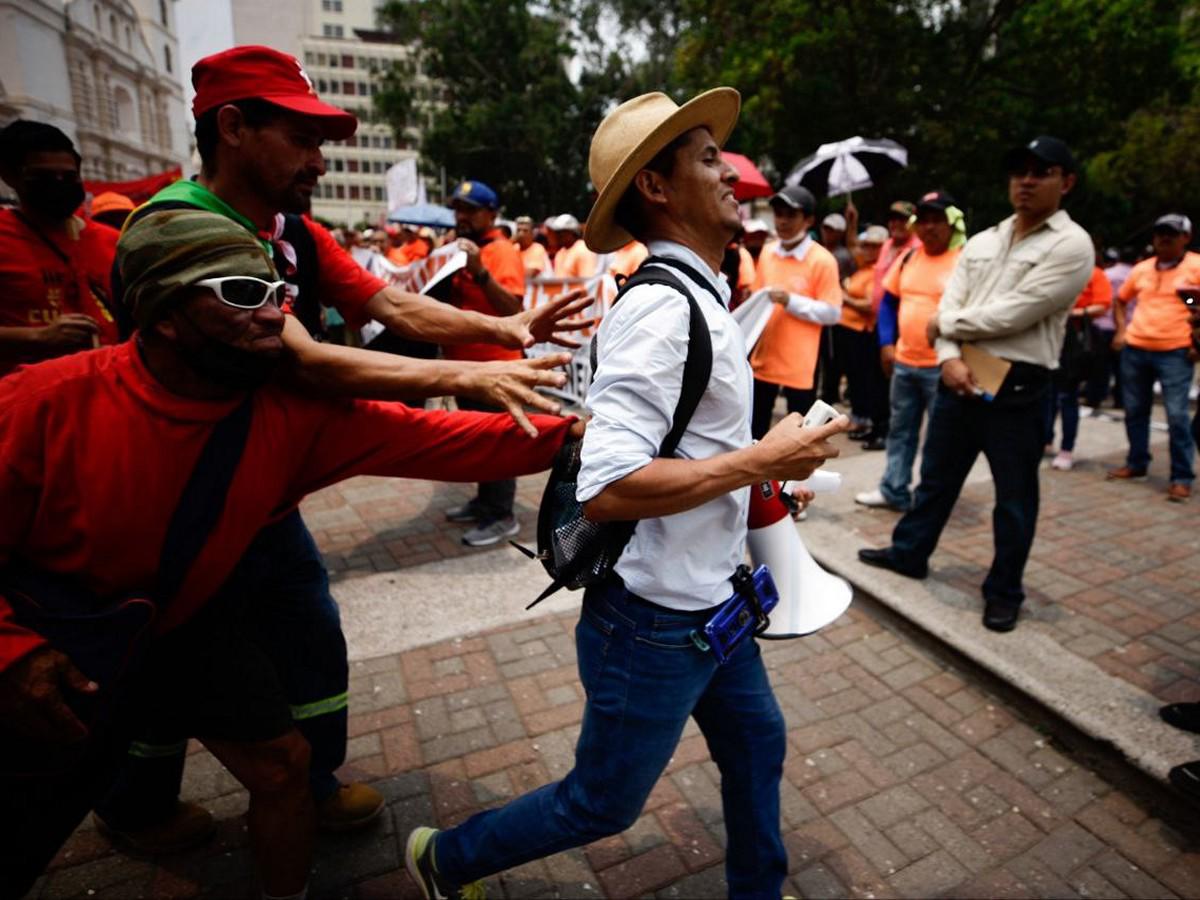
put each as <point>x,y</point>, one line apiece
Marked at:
<point>1185,716</point>
<point>860,434</point>
<point>883,559</point>
<point>1000,617</point>
<point>1186,779</point>
<point>876,442</point>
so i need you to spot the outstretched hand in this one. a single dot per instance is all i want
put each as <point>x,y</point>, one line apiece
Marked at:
<point>548,322</point>
<point>510,385</point>
<point>32,697</point>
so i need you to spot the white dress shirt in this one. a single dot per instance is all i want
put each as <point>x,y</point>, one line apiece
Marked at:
<point>682,561</point>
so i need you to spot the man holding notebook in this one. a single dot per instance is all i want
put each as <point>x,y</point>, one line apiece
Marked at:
<point>1003,311</point>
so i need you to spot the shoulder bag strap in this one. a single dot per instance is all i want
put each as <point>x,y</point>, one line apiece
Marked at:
<point>203,500</point>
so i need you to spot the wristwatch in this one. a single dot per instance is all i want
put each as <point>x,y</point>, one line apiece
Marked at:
<point>481,277</point>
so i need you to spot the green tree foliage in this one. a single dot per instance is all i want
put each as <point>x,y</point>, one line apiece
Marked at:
<point>955,82</point>
<point>513,117</point>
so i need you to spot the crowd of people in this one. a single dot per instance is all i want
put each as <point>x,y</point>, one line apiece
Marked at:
<point>176,377</point>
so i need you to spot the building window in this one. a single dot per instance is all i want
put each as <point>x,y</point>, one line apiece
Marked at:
<point>387,142</point>
<point>362,89</point>
<point>354,192</point>
<point>339,191</point>
<point>162,12</point>
<point>338,165</point>
<point>348,88</point>
<point>128,38</point>
<point>96,16</point>
<point>334,87</point>
<point>332,31</point>
<point>352,165</point>
<point>347,61</point>
<point>122,109</point>
<point>333,61</point>
<point>167,57</point>
<point>322,85</point>
<point>112,26</point>
<point>379,194</point>
<point>331,5</point>
<point>320,59</point>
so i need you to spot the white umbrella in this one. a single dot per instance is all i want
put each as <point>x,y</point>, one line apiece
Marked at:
<point>849,165</point>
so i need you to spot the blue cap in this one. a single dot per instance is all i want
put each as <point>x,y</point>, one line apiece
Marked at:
<point>476,193</point>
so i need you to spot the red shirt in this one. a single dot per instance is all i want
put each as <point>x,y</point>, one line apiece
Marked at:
<point>94,456</point>
<point>38,285</point>
<point>343,283</point>
<point>502,259</point>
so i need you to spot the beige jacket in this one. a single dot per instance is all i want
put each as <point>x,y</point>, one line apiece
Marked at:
<point>1012,300</point>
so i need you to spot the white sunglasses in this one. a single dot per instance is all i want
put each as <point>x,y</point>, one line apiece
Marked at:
<point>244,291</point>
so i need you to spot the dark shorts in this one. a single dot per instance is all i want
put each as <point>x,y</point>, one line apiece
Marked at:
<point>208,680</point>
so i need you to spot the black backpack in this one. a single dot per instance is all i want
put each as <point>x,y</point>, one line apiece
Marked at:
<point>575,551</point>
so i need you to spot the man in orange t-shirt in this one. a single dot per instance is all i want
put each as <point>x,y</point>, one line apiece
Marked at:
<point>802,278</point>
<point>492,283</point>
<point>859,347</point>
<point>1156,346</point>
<point>573,259</point>
<point>55,267</point>
<point>626,260</point>
<point>913,288</point>
<point>411,247</point>
<point>533,255</point>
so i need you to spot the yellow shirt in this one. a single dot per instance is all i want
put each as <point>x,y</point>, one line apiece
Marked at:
<point>786,353</point>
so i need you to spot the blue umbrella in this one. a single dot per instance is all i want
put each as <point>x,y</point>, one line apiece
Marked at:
<point>423,214</point>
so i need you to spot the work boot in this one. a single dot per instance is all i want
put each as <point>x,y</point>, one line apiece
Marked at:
<point>1125,473</point>
<point>190,826</point>
<point>1178,492</point>
<point>351,807</point>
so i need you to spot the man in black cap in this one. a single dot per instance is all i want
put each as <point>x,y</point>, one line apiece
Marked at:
<point>802,279</point>
<point>1157,346</point>
<point>1008,298</point>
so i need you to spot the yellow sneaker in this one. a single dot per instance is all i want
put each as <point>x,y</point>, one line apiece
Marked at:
<point>190,826</point>
<point>351,807</point>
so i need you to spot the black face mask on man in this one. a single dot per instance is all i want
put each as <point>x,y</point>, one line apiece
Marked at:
<point>53,197</point>
<point>228,366</point>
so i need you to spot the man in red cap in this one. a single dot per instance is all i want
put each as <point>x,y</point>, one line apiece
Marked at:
<point>259,130</point>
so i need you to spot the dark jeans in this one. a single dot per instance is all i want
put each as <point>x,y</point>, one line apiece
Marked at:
<point>493,499</point>
<point>1172,369</point>
<point>287,610</point>
<point>1104,368</point>
<point>868,386</point>
<point>830,365</point>
<point>644,677</point>
<point>1010,432</point>
<point>798,400</point>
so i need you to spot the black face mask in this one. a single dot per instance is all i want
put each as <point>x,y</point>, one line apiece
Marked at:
<point>230,367</point>
<point>54,198</point>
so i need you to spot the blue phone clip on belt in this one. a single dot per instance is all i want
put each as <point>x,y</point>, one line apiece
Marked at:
<point>746,613</point>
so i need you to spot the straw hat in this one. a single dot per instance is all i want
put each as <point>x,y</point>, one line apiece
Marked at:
<point>632,135</point>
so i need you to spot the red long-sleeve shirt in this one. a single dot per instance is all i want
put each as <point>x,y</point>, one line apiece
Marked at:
<point>95,454</point>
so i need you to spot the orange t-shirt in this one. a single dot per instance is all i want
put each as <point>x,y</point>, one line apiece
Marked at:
<point>1161,322</point>
<point>859,286</point>
<point>746,269</point>
<point>625,260</point>
<point>576,261</point>
<point>408,252</point>
<point>37,285</point>
<point>1097,292</point>
<point>503,262</point>
<point>535,259</point>
<point>919,287</point>
<point>786,353</point>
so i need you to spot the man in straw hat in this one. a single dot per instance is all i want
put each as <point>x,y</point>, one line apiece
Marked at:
<point>77,432</point>
<point>661,180</point>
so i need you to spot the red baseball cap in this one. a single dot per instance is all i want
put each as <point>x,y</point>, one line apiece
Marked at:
<point>252,72</point>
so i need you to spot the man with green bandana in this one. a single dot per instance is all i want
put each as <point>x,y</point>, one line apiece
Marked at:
<point>76,432</point>
<point>259,130</point>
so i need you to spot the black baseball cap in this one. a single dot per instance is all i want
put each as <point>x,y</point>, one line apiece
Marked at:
<point>938,200</point>
<point>1049,150</point>
<point>797,197</point>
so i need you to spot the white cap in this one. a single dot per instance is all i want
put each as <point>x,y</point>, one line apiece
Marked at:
<point>565,222</point>
<point>875,234</point>
<point>1176,221</point>
<point>836,221</point>
<point>755,226</point>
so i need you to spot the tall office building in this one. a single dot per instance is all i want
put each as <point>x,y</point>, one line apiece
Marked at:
<point>343,52</point>
<point>104,71</point>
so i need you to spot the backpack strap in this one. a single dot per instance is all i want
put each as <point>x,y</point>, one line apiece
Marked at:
<point>203,500</point>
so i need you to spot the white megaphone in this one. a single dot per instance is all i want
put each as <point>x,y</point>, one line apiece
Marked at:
<point>809,597</point>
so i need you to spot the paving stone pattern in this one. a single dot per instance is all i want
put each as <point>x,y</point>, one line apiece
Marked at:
<point>901,780</point>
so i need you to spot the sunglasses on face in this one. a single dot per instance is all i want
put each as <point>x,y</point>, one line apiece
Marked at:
<point>244,291</point>
<point>1037,170</point>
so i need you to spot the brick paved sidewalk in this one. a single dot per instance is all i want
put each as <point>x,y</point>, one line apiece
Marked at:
<point>902,779</point>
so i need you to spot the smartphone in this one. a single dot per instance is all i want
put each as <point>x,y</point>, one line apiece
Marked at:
<point>736,619</point>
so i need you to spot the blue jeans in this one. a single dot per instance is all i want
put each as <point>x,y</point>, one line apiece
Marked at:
<point>287,610</point>
<point>1066,402</point>
<point>644,677</point>
<point>1171,368</point>
<point>1010,432</point>
<point>913,392</point>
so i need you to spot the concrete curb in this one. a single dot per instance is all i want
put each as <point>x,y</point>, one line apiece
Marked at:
<point>1100,705</point>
